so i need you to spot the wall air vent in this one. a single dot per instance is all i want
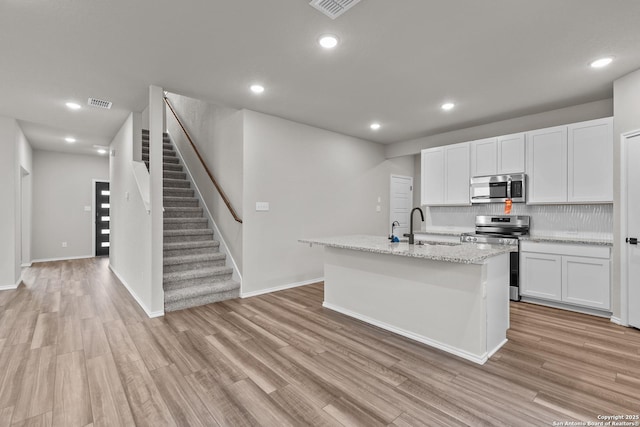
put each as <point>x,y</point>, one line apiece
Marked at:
<point>333,8</point>
<point>99,103</point>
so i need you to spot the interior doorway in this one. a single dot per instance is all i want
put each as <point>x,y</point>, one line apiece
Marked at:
<point>401,202</point>
<point>102,219</point>
<point>630,227</point>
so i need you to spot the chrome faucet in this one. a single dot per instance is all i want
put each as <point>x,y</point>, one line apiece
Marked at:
<point>411,236</point>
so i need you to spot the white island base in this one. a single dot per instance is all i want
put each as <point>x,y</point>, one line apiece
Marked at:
<point>460,308</point>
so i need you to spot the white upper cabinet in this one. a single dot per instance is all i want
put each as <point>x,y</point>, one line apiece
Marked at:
<point>498,156</point>
<point>445,175</point>
<point>433,176</point>
<point>511,154</point>
<point>571,164</point>
<point>547,165</point>
<point>590,155</point>
<point>484,157</point>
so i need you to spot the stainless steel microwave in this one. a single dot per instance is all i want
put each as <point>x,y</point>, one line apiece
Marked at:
<point>498,188</point>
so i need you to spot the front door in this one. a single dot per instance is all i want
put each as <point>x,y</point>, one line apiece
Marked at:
<point>102,218</point>
<point>633,228</point>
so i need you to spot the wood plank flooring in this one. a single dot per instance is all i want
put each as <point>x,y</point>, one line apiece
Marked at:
<point>76,350</point>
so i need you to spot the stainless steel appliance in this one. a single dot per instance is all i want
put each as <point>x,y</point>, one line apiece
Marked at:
<point>502,230</point>
<point>498,188</point>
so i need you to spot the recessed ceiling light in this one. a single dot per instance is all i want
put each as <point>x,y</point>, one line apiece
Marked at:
<point>73,105</point>
<point>602,62</point>
<point>328,41</point>
<point>102,151</point>
<point>374,126</point>
<point>448,106</point>
<point>70,139</point>
<point>257,88</point>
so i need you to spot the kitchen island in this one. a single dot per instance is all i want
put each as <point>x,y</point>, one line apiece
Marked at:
<point>454,297</point>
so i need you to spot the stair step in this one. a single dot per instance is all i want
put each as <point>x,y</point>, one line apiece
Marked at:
<point>178,192</point>
<point>193,261</point>
<point>182,212</point>
<point>166,144</point>
<point>165,152</point>
<point>180,202</point>
<point>194,296</point>
<point>193,235</point>
<point>199,276</point>
<point>165,159</point>
<point>185,223</point>
<point>174,174</point>
<point>175,183</point>
<point>190,248</point>
<point>177,167</point>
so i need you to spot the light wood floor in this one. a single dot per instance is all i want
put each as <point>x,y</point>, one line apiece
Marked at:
<point>76,350</point>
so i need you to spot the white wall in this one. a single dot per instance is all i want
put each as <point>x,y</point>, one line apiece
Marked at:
<point>626,110</point>
<point>9,210</point>
<point>25,163</point>
<point>318,183</point>
<point>130,252</point>
<point>217,132</point>
<point>576,113</point>
<point>62,187</point>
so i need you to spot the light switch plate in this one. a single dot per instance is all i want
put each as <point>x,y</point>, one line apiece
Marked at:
<point>262,206</point>
<point>378,208</point>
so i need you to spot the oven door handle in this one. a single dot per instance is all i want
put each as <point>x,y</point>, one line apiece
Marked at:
<point>509,188</point>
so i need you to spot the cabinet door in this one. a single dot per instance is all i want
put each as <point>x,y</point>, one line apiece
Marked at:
<point>433,176</point>
<point>541,276</point>
<point>484,157</point>
<point>585,281</point>
<point>547,165</point>
<point>511,153</point>
<point>457,174</point>
<point>590,161</point>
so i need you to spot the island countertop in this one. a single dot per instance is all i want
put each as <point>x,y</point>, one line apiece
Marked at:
<point>465,253</point>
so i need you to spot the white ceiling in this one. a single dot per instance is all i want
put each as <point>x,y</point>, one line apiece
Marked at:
<point>396,63</point>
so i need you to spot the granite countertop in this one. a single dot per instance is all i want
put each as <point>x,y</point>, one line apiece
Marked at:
<point>446,231</point>
<point>600,241</point>
<point>465,253</point>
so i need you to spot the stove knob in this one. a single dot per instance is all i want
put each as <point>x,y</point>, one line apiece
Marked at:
<point>501,241</point>
<point>475,239</point>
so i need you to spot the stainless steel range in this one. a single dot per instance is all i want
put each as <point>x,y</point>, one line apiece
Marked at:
<point>502,230</point>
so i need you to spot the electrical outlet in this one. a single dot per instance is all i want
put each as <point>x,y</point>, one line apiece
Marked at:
<point>378,208</point>
<point>87,208</point>
<point>64,244</point>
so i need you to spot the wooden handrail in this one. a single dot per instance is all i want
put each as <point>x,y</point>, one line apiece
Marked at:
<point>213,180</point>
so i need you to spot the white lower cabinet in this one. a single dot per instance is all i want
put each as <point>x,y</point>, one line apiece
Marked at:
<point>569,274</point>
<point>541,276</point>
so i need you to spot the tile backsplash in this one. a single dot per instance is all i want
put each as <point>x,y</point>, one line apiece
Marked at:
<point>550,220</point>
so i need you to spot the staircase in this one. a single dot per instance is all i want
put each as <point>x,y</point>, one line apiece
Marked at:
<point>194,268</point>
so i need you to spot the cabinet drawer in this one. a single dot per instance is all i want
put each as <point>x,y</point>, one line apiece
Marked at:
<point>591,251</point>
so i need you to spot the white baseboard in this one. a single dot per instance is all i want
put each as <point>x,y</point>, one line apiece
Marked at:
<point>61,259</point>
<point>149,313</point>
<point>11,287</point>
<point>568,307</point>
<point>616,320</point>
<point>280,288</point>
<point>26,265</point>
<point>428,341</point>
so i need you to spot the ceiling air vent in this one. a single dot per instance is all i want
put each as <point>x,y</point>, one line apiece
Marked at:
<point>333,8</point>
<point>99,103</point>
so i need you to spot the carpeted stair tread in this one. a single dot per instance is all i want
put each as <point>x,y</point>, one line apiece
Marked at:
<point>188,232</point>
<point>167,166</point>
<point>182,212</point>
<point>199,273</point>
<point>178,192</point>
<point>180,299</point>
<point>175,183</point>
<point>174,246</point>
<point>192,220</point>
<point>185,259</point>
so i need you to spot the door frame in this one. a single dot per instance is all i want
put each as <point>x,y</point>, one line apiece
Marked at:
<point>393,175</point>
<point>624,252</point>
<point>93,214</point>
